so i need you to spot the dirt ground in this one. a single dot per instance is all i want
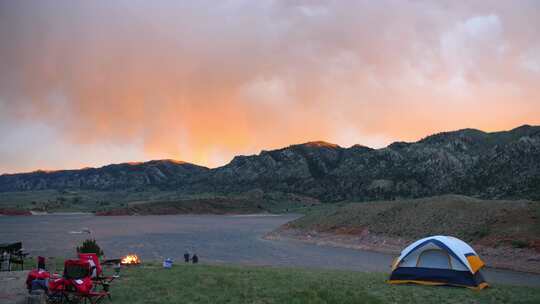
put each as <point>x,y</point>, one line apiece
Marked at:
<point>12,288</point>
<point>517,259</point>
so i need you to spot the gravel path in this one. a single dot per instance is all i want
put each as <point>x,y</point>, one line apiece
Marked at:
<point>12,287</point>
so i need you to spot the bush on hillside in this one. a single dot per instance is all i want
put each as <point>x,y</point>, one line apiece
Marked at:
<point>520,244</point>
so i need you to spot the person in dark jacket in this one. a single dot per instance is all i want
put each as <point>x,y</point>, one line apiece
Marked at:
<point>195,259</point>
<point>186,257</point>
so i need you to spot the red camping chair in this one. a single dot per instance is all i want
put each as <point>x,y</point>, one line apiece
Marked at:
<point>96,270</point>
<point>94,262</point>
<point>76,285</point>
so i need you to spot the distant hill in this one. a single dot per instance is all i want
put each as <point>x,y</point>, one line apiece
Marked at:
<point>165,173</point>
<point>470,162</point>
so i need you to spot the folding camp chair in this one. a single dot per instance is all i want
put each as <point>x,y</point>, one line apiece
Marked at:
<point>76,285</point>
<point>96,270</point>
<point>11,254</point>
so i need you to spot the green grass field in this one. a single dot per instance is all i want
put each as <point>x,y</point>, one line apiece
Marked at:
<point>79,200</point>
<point>152,201</point>
<point>188,283</point>
<point>242,284</point>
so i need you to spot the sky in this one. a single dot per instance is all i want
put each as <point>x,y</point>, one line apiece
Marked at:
<point>88,83</point>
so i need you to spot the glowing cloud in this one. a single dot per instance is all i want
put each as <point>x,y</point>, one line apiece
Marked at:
<point>202,81</point>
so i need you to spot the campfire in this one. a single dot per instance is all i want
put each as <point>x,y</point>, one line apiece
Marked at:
<point>130,259</point>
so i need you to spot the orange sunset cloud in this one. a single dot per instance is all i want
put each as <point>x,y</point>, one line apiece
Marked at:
<point>90,83</point>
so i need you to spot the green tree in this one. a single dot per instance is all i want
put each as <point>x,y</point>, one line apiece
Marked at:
<point>90,246</point>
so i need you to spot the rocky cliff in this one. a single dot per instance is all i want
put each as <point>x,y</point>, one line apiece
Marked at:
<point>471,162</point>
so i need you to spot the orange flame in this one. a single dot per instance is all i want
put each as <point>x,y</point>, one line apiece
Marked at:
<point>130,259</point>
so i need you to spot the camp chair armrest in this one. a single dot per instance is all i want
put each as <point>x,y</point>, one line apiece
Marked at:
<point>106,279</point>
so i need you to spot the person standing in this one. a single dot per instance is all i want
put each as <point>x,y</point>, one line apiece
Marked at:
<point>195,258</point>
<point>186,257</point>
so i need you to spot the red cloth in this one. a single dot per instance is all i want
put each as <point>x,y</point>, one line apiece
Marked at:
<point>79,262</point>
<point>92,257</point>
<point>57,284</point>
<point>76,277</point>
<point>83,286</point>
<point>36,274</point>
<point>72,279</point>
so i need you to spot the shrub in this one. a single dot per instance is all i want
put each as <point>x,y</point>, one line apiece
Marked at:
<point>90,246</point>
<point>482,232</point>
<point>520,244</point>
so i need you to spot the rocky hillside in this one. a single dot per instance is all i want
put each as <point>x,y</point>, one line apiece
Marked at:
<point>475,220</point>
<point>471,162</point>
<point>160,173</point>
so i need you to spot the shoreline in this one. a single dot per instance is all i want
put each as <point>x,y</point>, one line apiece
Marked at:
<point>22,212</point>
<point>39,213</point>
<point>524,260</point>
<point>13,213</point>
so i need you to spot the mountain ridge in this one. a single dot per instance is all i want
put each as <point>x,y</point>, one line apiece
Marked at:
<point>503,164</point>
<point>308,143</point>
<point>130,163</point>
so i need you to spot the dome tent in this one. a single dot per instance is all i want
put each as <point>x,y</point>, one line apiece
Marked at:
<point>439,260</point>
